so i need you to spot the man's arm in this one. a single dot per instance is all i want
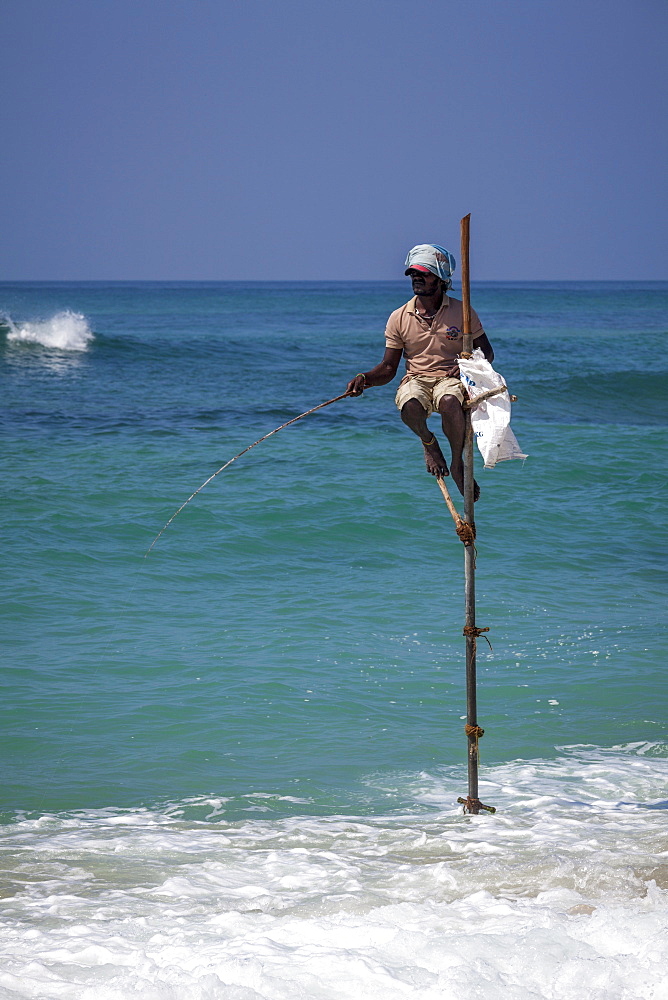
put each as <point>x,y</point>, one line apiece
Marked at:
<point>483,343</point>
<point>380,375</point>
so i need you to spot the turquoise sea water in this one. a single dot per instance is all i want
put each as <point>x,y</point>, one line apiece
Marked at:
<point>284,673</point>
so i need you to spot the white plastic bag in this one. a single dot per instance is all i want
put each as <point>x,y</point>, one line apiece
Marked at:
<point>491,419</point>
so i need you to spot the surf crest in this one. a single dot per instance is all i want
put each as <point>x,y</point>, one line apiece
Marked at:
<point>562,895</point>
<point>64,331</point>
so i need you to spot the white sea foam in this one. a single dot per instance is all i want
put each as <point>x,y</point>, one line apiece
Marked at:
<point>65,331</point>
<point>561,895</point>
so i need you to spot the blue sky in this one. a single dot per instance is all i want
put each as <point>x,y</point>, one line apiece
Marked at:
<point>210,139</point>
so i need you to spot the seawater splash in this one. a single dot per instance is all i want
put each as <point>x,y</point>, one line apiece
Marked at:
<point>64,331</point>
<point>561,896</point>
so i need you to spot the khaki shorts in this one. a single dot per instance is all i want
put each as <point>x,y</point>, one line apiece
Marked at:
<point>429,390</point>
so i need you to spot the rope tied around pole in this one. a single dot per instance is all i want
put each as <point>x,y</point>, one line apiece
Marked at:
<point>474,806</point>
<point>474,731</point>
<point>475,633</point>
<point>474,734</point>
<point>465,530</point>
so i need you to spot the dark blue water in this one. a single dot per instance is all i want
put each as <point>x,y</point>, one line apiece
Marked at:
<point>292,646</point>
<point>324,561</point>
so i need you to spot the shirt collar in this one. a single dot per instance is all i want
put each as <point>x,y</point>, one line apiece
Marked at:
<point>412,304</point>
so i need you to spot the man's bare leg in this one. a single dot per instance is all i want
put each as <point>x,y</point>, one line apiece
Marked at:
<point>414,416</point>
<point>454,426</point>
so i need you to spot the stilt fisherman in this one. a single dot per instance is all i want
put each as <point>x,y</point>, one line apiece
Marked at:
<point>427,331</point>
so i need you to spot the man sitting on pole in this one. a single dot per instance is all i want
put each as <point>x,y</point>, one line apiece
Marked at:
<point>427,330</point>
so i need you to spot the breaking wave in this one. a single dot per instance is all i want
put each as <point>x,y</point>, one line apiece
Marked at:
<point>561,894</point>
<point>64,331</point>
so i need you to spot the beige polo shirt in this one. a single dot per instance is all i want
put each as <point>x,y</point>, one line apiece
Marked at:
<point>429,349</point>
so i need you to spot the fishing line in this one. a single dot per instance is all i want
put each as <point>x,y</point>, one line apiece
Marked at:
<point>120,614</point>
<point>228,463</point>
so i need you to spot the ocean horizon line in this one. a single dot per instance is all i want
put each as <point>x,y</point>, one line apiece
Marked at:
<point>658,283</point>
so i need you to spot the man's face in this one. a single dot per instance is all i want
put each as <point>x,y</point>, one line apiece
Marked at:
<point>424,282</point>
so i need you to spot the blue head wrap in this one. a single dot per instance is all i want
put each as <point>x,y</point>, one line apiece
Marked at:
<point>436,259</point>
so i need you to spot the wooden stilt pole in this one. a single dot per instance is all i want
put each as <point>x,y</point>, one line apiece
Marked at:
<point>472,803</point>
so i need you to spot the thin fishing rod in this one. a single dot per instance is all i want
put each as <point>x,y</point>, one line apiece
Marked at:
<point>223,467</point>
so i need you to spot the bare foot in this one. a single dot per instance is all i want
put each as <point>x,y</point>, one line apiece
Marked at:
<point>434,459</point>
<point>458,476</point>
